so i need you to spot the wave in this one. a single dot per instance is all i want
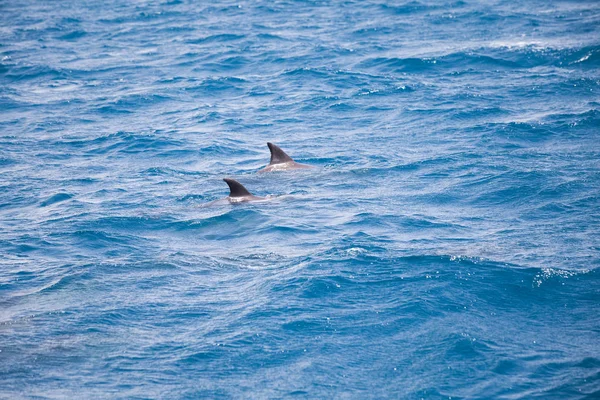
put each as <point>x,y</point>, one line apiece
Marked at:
<point>19,73</point>
<point>73,36</point>
<point>219,86</point>
<point>220,38</point>
<point>416,7</point>
<point>130,103</point>
<point>122,141</point>
<point>486,58</point>
<point>57,198</point>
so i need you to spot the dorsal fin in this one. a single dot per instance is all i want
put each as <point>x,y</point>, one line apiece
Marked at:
<point>278,156</point>
<point>236,189</point>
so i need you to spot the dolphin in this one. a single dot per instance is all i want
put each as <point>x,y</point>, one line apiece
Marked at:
<point>239,194</point>
<point>280,161</point>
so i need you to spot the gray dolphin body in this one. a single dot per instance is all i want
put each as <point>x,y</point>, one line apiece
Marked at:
<point>239,194</point>
<point>280,161</point>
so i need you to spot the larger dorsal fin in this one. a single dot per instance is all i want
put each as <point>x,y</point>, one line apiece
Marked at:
<point>236,189</point>
<point>278,156</point>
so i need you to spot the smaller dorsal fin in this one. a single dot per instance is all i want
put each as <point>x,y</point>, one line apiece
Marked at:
<point>278,156</point>
<point>236,189</point>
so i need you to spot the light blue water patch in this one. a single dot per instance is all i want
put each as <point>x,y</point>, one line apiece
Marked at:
<point>444,246</point>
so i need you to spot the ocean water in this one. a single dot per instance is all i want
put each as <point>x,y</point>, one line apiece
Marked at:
<point>445,246</point>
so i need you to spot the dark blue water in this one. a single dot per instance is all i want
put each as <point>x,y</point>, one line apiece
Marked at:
<point>446,244</point>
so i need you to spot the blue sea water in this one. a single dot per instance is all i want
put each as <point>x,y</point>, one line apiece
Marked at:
<point>445,246</point>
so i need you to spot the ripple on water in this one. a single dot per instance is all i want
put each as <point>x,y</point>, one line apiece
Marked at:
<point>444,245</point>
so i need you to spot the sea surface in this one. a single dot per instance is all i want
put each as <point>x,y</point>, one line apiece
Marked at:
<point>446,244</point>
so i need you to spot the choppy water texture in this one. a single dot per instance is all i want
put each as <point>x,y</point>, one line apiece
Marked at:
<point>445,245</point>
